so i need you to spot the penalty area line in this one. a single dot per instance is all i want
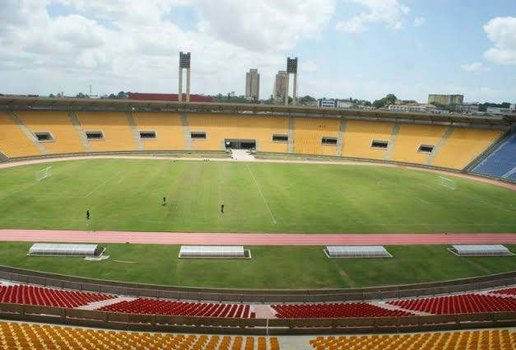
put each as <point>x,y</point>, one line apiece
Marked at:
<point>261,194</point>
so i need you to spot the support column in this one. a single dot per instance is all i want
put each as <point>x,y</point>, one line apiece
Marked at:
<point>188,85</point>
<point>438,146</point>
<point>340,137</point>
<point>392,141</point>
<point>294,92</point>
<point>135,131</point>
<point>78,127</point>
<point>286,89</point>
<point>186,131</point>
<point>291,134</point>
<point>180,89</point>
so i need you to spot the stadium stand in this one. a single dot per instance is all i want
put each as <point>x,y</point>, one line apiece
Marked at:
<point>497,339</point>
<point>65,138</point>
<point>13,142</point>
<point>94,131</point>
<point>15,335</point>
<point>510,291</point>
<point>463,146</point>
<point>335,310</point>
<point>412,137</point>
<point>116,132</point>
<point>309,134</point>
<point>458,304</point>
<point>168,131</point>
<point>501,162</point>
<point>32,295</point>
<point>177,308</point>
<point>221,127</point>
<point>359,136</point>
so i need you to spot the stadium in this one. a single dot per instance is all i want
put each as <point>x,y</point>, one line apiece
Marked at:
<point>202,225</point>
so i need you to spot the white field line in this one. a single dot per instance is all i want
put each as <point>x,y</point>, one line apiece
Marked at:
<point>101,184</point>
<point>261,194</point>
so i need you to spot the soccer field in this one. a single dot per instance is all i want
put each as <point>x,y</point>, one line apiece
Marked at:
<point>124,194</point>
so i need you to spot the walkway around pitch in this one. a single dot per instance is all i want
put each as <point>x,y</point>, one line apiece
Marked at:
<point>271,239</point>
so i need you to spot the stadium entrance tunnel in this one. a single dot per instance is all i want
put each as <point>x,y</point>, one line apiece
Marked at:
<point>240,144</point>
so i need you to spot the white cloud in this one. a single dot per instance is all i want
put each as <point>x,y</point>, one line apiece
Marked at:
<point>419,21</point>
<point>473,67</point>
<point>501,31</point>
<point>133,45</point>
<point>390,13</point>
<point>265,24</point>
<point>308,66</point>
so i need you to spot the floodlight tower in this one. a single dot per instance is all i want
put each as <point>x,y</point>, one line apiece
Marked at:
<point>184,63</point>
<point>291,69</point>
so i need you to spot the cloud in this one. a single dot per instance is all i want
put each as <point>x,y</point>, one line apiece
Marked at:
<point>265,24</point>
<point>308,66</point>
<point>133,45</point>
<point>390,13</point>
<point>473,67</point>
<point>501,31</point>
<point>419,21</point>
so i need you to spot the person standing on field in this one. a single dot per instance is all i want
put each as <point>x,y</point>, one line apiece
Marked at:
<point>222,208</point>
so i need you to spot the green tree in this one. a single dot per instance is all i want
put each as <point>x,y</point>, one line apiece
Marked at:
<point>307,99</point>
<point>387,100</point>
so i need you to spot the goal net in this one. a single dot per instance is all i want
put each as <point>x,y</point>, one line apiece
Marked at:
<point>448,183</point>
<point>44,173</point>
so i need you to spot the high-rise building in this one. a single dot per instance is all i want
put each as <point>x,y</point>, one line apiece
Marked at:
<point>446,100</point>
<point>252,85</point>
<point>280,86</point>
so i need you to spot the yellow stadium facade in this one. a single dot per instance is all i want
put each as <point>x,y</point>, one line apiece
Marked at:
<point>69,127</point>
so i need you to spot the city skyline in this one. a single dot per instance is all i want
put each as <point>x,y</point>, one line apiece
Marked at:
<point>363,49</point>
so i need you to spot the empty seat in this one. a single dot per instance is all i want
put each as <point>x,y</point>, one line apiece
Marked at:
<point>458,304</point>
<point>335,310</point>
<point>179,308</point>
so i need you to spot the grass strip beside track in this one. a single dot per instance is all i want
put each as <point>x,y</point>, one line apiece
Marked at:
<point>270,267</point>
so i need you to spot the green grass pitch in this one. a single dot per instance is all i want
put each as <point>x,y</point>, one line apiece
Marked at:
<point>258,197</point>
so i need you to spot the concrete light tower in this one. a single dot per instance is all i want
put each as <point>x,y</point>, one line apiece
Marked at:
<point>184,63</point>
<point>291,69</point>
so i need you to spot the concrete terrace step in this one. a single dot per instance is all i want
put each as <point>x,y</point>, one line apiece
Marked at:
<point>263,311</point>
<point>398,308</point>
<point>98,304</point>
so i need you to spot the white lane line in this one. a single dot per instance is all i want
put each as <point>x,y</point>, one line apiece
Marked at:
<point>101,184</point>
<point>261,194</point>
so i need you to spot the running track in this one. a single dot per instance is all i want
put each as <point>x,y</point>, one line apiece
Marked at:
<point>253,238</point>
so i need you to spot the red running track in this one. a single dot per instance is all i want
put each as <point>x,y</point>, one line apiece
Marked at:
<point>253,238</point>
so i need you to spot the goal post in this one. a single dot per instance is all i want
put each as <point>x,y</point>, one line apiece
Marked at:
<point>446,182</point>
<point>43,173</point>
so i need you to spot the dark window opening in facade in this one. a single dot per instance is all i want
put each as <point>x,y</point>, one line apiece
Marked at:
<point>198,135</point>
<point>145,135</point>
<point>94,135</point>
<point>380,144</point>
<point>44,136</point>
<point>280,138</point>
<point>426,148</point>
<point>329,140</point>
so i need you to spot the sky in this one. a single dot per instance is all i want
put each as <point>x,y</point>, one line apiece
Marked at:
<point>346,48</point>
